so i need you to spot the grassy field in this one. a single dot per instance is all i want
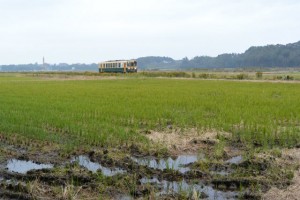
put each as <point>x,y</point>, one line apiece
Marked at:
<point>54,117</point>
<point>110,112</point>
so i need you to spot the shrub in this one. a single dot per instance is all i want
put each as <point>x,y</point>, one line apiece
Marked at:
<point>203,75</point>
<point>288,78</point>
<point>241,76</point>
<point>259,75</point>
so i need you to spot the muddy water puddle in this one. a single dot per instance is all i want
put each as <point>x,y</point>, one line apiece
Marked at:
<point>84,161</point>
<point>22,166</point>
<point>180,163</point>
<point>168,187</point>
<point>235,160</point>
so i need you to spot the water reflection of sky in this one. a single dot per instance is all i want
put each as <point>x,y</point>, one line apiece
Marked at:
<point>169,163</point>
<point>22,166</point>
<point>84,161</point>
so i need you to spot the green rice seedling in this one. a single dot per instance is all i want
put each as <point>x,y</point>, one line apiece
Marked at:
<point>219,149</point>
<point>76,113</point>
<point>276,152</point>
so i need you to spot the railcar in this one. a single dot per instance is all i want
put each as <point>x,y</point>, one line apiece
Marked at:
<point>118,66</point>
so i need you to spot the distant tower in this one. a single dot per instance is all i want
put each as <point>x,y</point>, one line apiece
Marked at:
<point>44,67</point>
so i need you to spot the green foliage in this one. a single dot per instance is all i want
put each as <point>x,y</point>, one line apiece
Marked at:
<point>113,111</point>
<point>242,76</point>
<point>259,75</point>
<point>265,56</point>
<point>166,74</point>
<point>193,75</point>
<point>288,77</point>
<point>219,149</point>
<point>276,152</point>
<point>204,75</point>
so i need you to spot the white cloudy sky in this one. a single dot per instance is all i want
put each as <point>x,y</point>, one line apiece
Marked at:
<point>95,30</point>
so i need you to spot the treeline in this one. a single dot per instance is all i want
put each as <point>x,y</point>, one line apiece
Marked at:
<point>265,56</point>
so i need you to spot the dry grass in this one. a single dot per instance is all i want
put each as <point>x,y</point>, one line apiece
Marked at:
<point>292,192</point>
<point>185,141</point>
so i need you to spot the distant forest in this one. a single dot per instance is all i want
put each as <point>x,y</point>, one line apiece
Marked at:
<point>265,56</point>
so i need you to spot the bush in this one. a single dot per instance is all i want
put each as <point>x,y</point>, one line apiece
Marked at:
<point>241,76</point>
<point>259,75</point>
<point>288,78</point>
<point>166,74</point>
<point>203,75</point>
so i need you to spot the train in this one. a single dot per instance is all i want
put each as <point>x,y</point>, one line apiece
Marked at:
<point>118,66</point>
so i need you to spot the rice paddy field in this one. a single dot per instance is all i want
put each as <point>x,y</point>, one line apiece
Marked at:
<point>115,121</point>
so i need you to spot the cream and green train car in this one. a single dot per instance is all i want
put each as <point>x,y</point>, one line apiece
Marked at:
<point>118,66</point>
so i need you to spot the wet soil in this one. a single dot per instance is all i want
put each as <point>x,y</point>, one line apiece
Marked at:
<point>129,172</point>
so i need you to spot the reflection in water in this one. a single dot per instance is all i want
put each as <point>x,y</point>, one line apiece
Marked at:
<point>21,166</point>
<point>235,160</point>
<point>169,163</point>
<point>84,161</point>
<point>169,187</point>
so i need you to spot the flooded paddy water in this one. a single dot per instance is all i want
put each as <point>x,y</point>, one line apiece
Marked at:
<point>179,163</point>
<point>163,187</point>
<point>235,160</point>
<point>22,166</point>
<point>202,189</point>
<point>134,176</point>
<point>84,161</point>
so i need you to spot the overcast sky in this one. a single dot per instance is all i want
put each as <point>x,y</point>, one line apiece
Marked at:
<point>87,31</point>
